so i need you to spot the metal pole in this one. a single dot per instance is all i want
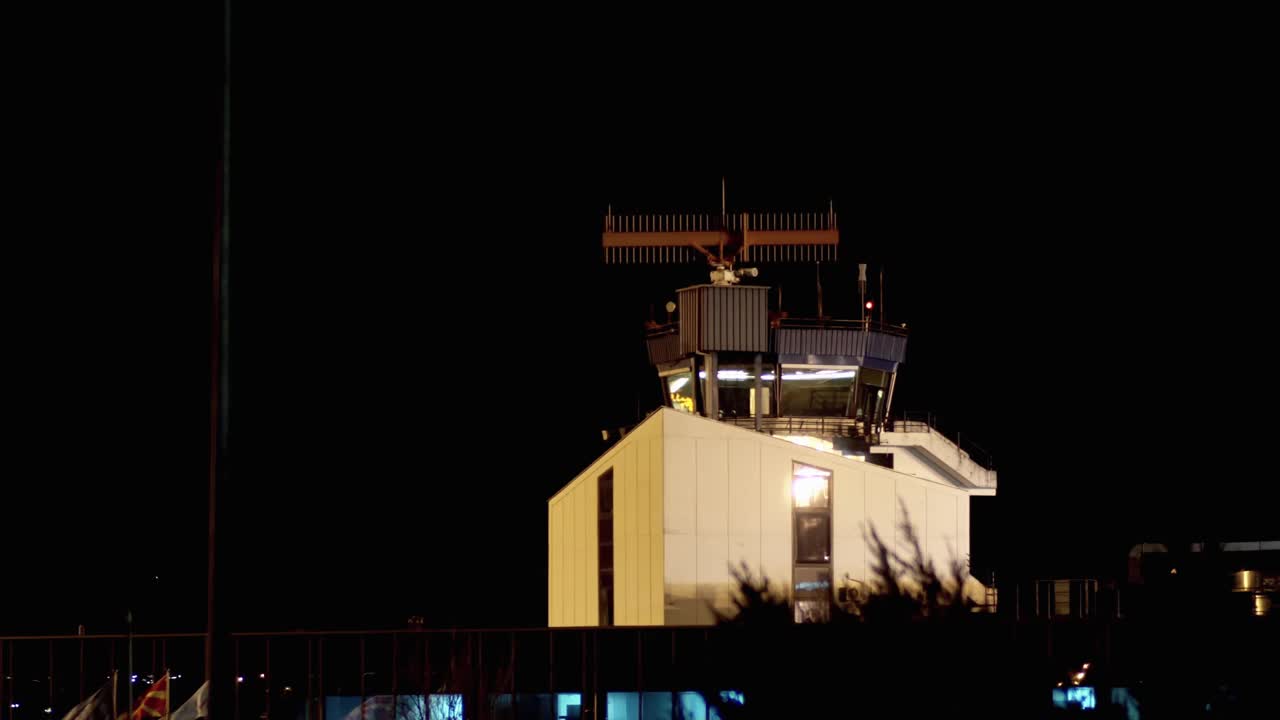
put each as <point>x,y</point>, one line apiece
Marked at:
<point>221,684</point>
<point>817,271</point>
<point>129,622</point>
<point>235,660</point>
<point>320,678</point>
<point>882,296</point>
<point>310,651</point>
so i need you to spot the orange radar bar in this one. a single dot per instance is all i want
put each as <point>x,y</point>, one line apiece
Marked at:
<point>721,238</point>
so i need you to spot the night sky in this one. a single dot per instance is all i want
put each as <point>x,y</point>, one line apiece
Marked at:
<point>427,344</point>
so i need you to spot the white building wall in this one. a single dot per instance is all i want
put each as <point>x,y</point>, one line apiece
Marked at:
<point>727,500</point>
<point>712,533</point>
<point>745,536</point>
<point>694,498</point>
<point>775,516</point>
<point>573,589</point>
<point>882,510</point>
<point>941,541</point>
<point>679,529</point>
<point>848,517</point>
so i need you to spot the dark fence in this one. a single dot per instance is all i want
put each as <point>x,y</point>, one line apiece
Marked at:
<point>651,673</point>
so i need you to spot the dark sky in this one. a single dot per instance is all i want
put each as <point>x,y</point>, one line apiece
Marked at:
<point>426,343</point>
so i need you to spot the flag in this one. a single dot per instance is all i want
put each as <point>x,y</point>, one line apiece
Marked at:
<point>196,707</point>
<point>155,703</point>
<point>95,707</point>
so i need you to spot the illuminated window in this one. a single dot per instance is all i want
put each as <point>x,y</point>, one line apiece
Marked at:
<point>678,386</point>
<point>810,486</point>
<point>817,390</point>
<point>568,705</point>
<point>445,707</point>
<point>811,520</point>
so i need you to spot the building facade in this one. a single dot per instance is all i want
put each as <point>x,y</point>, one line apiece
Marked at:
<point>649,533</point>
<point>773,454</point>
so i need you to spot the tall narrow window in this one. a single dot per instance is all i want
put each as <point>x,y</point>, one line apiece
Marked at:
<point>811,521</point>
<point>604,489</point>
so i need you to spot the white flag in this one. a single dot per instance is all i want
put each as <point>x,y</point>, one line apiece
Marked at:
<point>95,707</point>
<point>196,707</point>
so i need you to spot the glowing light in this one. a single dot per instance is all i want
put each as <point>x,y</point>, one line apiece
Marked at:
<point>678,383</point>
<point>566,700</point>
<point>1085,666</point>
<point>262,676</point>
<point>1084,696</point>
<point>870,304</point>
<point>811,442</point>
<point>821,375</point>
<point>447,707</point>
<point>810,486</point>
<point>810,586</point>
<point>239,678</point>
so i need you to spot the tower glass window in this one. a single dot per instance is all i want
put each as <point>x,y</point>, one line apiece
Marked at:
<point>737,388</point>
<point>678,388</point>
<point>873,390</point>
<point>817,390</point>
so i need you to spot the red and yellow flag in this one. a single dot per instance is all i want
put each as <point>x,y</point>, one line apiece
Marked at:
<point>155,703</point>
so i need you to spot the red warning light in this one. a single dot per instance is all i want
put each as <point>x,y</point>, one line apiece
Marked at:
<point>870,304</point>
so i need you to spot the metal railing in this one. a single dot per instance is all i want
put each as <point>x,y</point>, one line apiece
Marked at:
<point>511,673</point>
<point>830,324</point>
<point>654,331</point>
<point>801,323</point>
<point>925,421</point>
<point>793,425</point>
